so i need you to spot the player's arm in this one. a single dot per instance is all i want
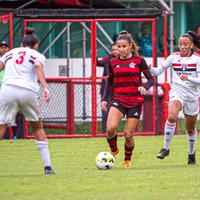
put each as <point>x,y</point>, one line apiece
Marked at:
<point>41,78</point>
<point>156,71</point>
<point>3,61</point>
<point>150,80</point>
<point>108,89</point>
<point>1,65</point>
<point>102,62</point>
<point>195,80</point>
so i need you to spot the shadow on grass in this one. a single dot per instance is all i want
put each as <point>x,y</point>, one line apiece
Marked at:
<point>159,167</point>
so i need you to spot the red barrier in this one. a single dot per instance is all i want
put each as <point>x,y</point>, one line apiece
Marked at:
<point>90,122</point>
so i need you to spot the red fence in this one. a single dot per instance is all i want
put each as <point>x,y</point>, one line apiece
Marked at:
<point>75,109</point>
<point>69,113</point>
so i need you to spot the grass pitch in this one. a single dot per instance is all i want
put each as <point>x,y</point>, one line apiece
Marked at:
<point>22,178</point>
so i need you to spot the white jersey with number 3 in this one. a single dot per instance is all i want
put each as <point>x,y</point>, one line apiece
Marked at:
<point>189,66</point>
<point>20,69</point>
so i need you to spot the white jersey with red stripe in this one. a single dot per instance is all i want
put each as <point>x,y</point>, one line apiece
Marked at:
<point>189,66</point>
<point>20,69</point>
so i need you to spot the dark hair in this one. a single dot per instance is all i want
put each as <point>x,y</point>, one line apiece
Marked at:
<point>188,36</point>
<point>196,27</point>
<point>30,39</point>
<point>125,35</point>
<point>195,37</point>
<point>113,44</point>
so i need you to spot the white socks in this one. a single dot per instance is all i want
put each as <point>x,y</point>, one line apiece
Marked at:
<point>191,142</point>
<point>169,132</point>
<point>44,152</point>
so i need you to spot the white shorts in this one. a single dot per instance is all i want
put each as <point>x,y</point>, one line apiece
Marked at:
<point>188,107</point>
<point>14,99</point>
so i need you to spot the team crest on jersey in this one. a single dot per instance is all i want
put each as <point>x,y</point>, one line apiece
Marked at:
<point>132,65</point>
<point>184,66</point>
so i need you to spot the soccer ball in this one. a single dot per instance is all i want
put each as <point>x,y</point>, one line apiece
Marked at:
<point>105,160</point>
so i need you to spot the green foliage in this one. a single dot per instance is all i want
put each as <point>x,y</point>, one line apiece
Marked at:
<point>22,178</point>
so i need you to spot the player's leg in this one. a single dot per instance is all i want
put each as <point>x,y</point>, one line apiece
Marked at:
<point>42,145</point>
<point>3,128</point>
<point>129,140</point>
<point>105,116</point>
<point>191,110</point>
<point>29,106</point>
<point>8,108</point>
<point>175,107</point>
<point>191,132</point>
<point>114,118</point>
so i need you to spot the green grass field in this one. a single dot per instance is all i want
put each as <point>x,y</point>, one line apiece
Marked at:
<point>22,178</point>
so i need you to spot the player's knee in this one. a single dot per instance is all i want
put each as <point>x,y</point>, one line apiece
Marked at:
<point>191,131</point>
<point>111,128</point>
<point>36,126</point>
<point>128,135</point>
<point>172,117</point>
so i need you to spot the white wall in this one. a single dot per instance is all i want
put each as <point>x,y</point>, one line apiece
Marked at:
<point>53,66</point>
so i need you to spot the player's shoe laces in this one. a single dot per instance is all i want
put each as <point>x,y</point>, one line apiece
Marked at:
<point>191,159</point>
<point>115,153</point>
<point>48,170</point>
<point>163,153</point>
<point>127,164</point>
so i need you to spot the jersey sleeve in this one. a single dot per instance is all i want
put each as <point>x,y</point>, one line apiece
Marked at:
<point>167,62</point>
<point>102,62</point>
<point>143,66</point>
<point>109,84</point>
<point>41,58</point>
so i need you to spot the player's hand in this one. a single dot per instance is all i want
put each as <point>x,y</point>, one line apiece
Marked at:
<point>142,90</point>
<point>104,105</point>
<point>46,95</point>
<point>184,77</point>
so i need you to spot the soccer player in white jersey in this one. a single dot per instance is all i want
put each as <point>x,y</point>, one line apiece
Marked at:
<point>23,69</point>
<point>184,94</point>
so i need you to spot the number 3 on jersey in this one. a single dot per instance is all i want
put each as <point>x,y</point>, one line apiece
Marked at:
<point>20,60</point>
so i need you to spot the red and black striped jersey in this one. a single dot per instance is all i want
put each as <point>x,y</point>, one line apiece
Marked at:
<point>125,77</point>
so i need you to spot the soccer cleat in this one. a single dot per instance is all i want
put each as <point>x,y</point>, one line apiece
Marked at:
<point>115,153</point>
<point>127,164</point>
<point>191,159</point>
<point>48,170</point>
<point>163,153</point>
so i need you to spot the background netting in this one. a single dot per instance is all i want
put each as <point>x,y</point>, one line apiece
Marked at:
<point>70,110</point>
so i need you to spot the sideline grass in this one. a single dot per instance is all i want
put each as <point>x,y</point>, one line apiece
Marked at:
<point>22,178</point>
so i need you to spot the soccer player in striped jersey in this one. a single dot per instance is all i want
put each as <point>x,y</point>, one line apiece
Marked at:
<point>184,94</point>
<point>23,69</point>
<point>125,85</point>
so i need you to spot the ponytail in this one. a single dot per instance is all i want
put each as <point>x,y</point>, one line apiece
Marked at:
<point>30,39</point>
<point>125,35</point>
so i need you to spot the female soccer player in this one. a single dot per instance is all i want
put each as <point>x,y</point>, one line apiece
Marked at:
<point>184,94</point>
<point>23,69</point>
<point>127,93</point>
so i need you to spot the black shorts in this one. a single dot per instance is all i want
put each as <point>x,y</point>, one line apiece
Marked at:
<point>134,112</point>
